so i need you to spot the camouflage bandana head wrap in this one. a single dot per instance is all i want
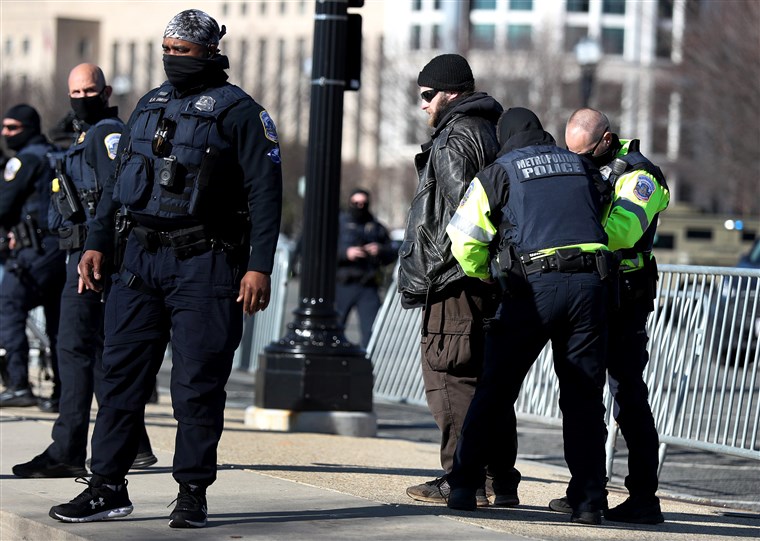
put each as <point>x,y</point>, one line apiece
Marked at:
<point>195,26</point>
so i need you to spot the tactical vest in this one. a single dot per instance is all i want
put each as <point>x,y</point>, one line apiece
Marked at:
<point>37,204</point>
<point>635,160</point>
<point>552,202</point>
<point>86,180</point>
<point>168,141</point>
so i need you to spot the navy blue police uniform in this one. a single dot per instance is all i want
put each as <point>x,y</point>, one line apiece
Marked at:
<point>200,176</point>
<point>34,274</point>
<point>88,163</point>
<point>548,210</point>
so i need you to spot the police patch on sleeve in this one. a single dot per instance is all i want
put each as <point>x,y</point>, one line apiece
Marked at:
<point>270,131</point>
<point>274,155</point>
<point>11,169</point>
<point>112,143</point>
<point>466,195</point>
<point>644,188</point>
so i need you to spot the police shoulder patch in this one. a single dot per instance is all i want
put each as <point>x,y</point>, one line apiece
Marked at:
<point>644,188</point>
<point>274,155</point>
<point>112,143</point>
<point>270,131</point>
<point>11,169</point>
<point>466,195</point>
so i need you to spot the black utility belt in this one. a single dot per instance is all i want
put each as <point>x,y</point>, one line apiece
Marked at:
<point>561,261</point>
<point>184,242</point>
<point>72,238</point>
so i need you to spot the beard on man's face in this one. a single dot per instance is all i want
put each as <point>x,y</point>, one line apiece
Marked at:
<point>440,110</point>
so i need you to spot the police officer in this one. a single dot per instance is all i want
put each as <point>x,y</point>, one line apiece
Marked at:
<point>82,171</point>
<point>545,204</point>
<point>364,247</point>
<point>640,194</point>
<point>34,273</point>
<point>200,176</point>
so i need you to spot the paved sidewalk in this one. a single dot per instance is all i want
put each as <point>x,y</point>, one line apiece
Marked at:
<point>287,486</point>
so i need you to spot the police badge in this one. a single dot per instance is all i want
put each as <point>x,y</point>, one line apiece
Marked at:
<point>205,104</point>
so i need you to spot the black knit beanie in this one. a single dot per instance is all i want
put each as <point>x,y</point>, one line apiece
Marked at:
<point>27,115</point>
<point>447,72</point>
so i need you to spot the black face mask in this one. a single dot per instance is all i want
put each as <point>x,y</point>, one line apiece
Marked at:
<point>89,109</point>
<point>360,214</point>
<point>188,72</point>
<point>19,141</point>
<point>604,158</point>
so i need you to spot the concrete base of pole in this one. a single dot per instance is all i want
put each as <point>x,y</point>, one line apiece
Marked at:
<point>343,423</point>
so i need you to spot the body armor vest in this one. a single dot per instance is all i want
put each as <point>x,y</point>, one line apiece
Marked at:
<point>552,202</point>
<point>171,141</point>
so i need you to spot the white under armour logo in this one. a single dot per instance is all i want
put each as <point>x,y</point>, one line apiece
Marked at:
<point>99,503</point>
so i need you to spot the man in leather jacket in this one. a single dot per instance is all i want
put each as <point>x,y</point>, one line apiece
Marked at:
<point>454,306</point>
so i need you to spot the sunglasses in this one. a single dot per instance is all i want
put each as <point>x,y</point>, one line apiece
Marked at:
<point>590,153</point>
<point>428,95</point>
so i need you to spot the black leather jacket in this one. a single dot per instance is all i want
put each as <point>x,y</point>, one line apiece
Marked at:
<point>464,142</point>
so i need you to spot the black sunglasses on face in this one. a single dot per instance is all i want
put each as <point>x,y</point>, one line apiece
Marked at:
<point>590,153</point>
<point>428,95</point>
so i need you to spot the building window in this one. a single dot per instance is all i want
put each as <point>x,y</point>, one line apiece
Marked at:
<point>415,38</point>
<point>436,36</point>
<point>613,6</point>
<point>483,36</point>
<point>149,63</point>
<point>243,8</point>
<point>521,5</point>
<point>701,234</point>
<point>573,34</point>
<point>283,6</point>
<point>519,37</point>
<point>262,8</point>
<point>417,5</point>
<point>84,48</point>
<point>8,46</point>
<point>664,44</point>
<point>25,46</point>
<point>483,4</point>
<point>577,6</point>
<point>665,9</point>
<point>613,40</point>
<point>225,8</point>
<point>302,7</point>
<point>665,241</point>
<point>437,5</point>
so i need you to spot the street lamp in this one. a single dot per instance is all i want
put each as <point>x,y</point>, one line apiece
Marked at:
<point>587,53</point>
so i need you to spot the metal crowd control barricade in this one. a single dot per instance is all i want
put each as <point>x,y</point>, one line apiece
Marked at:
<point>264,327</point>
<point>702,374</point>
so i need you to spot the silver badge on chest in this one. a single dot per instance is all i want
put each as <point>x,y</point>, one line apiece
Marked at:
<point>205,104</point>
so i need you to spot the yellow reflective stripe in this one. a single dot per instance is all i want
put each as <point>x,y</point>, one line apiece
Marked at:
<point>471,255</point>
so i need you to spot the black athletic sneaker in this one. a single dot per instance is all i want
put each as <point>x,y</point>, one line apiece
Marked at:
<point>560,505</point>
<point>97,502</point>
<point>637,511</point>
<point>191,510</point>
<point>44,466</point>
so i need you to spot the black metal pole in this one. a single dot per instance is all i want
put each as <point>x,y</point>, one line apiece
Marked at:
<point>314,366</point>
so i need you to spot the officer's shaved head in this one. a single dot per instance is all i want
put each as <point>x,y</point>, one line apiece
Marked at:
<point>86,80</point>
<point>585,126</point>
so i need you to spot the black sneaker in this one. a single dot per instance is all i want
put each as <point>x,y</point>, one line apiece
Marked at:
<point>191,510</point>
<point>593,518</point>
<point>637,511</point>
<point>43,466</point>
<point>97,502</point>
<point>19,398</point>
<point>560,505</point>
<point>142,461</point>
<point>49,405</point>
